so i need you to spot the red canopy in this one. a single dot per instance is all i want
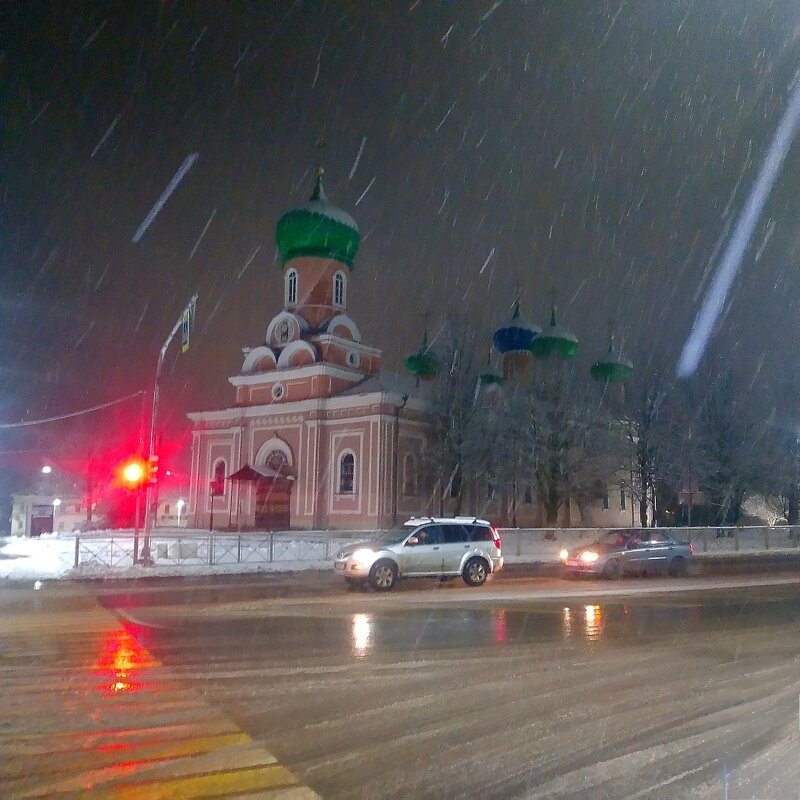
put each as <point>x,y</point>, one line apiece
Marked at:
<point>248,474</point>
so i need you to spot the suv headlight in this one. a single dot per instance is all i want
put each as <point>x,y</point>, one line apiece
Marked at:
<point>365,554</point>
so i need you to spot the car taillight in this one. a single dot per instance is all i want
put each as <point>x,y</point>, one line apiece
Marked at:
<point>496,537</point>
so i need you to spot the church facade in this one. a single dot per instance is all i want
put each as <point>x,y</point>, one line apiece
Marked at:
<point>316,438</point>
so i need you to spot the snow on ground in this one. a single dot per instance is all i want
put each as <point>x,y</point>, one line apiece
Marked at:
<point>109,554</point>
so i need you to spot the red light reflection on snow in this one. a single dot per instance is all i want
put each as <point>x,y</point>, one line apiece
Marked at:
<point>121,660</point>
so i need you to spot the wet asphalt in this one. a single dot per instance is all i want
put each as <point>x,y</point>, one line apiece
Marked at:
<point>528,687</point>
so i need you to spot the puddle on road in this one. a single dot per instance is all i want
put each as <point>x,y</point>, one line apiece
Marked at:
<point>589,624</point>
<point>382,632</point>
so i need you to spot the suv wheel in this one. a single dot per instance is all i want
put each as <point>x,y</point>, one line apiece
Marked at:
<point>476,571</point>
<point>383,575</point>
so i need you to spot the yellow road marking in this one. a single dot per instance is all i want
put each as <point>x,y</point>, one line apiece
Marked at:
<point>217,784</point>
<point>101,683</point>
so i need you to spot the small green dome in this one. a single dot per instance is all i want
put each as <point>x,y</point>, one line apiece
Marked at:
<point>554,341</point>
<point>317,229</point>
<point>423,364</point>
<point>613,368</point>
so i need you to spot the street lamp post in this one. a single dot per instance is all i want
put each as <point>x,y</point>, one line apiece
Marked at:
<point>149,509</point>
<point>180,504</point>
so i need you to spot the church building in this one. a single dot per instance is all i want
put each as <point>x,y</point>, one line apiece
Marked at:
<point>315,438</point>
<point>318,438</point>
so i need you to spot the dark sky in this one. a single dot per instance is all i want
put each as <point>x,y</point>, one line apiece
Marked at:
<point>599,149</point>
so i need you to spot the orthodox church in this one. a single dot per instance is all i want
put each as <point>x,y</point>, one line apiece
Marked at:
<point>317,438</point>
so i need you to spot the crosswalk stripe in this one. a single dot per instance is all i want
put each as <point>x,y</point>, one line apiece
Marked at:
<point>100,717</point>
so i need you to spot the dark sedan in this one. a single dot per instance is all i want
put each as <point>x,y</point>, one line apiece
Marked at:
<point>636,552</point>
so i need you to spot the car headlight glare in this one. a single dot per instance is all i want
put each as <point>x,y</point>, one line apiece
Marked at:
<point>564,555</point>
<point>589,556</point>
<point>363,555</point>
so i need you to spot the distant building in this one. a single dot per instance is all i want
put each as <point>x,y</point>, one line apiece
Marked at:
<point>35,514</point>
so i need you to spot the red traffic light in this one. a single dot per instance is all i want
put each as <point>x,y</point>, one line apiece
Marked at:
<point>132,473</point>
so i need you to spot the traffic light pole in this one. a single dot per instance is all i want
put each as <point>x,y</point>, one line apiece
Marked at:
<point>150,512</point>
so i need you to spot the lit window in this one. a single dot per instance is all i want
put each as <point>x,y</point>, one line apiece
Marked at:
<point>338,289</point>
<point>291,287</point>
<point>347,471</point>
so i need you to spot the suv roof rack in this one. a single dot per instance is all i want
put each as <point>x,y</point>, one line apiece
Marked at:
<point>470,519</point>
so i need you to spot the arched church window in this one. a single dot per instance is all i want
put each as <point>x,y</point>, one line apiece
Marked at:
<point>278,461</point>
<point>283,332</point>
<point>338,289</point>
<point>218,477</point>
<point>347,474</point>
<point>291,287</point>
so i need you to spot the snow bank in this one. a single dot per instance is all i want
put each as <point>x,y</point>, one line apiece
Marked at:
<point>32,559</point>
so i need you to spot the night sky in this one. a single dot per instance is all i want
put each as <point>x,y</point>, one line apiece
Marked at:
<point>598,150</point>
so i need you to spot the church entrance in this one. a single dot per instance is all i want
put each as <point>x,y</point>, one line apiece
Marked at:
<point>274,494</point>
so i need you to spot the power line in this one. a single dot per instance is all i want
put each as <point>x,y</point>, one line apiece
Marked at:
<point>6,425</point>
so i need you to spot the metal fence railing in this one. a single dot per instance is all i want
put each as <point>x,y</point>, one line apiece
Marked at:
<point>548,542</point>
<point>195,548</point>
<point>200,548</point>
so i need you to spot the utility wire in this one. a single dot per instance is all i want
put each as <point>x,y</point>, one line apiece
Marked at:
<point>6,425</point>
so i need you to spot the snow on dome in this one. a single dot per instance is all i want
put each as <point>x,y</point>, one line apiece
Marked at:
<point>517,335</point>
<point>318,229</point>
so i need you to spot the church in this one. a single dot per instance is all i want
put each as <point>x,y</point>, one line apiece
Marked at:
<point>315,438</point>
<point>318,437</point>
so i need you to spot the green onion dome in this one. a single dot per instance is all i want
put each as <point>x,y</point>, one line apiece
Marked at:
<point>317,229</point>
<point>613,367</point>
<point>555,341</point>
<point>423,363</point>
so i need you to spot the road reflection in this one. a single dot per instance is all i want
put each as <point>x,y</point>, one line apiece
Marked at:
<point>121,661</point>
<point>594,623</point>
<point>592,628</point>
<point>362,635</point>
<point>500,626</point>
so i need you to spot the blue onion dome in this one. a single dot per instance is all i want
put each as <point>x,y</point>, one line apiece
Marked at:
<point>423,364</point>
<point>516,336</point>
<point>555,341</point>
<point>613,367</point>
<point>317,229</point>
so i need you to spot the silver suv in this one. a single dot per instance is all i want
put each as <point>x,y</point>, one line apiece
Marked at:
<point>427,547</point>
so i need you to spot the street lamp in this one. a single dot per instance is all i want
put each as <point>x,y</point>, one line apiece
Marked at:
<point>46,469</point>
<point>56,502</point>
<point>180,504</point>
